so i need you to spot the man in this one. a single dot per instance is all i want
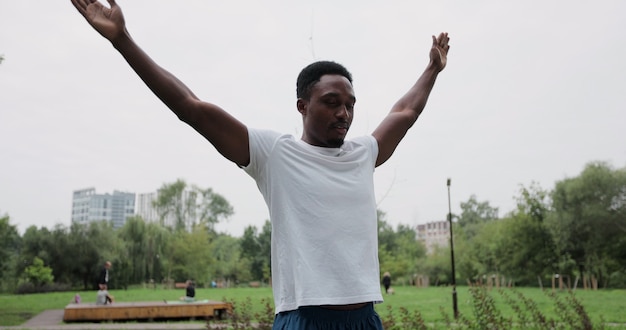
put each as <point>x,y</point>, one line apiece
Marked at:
<point>103,278</point>
<point>319,188</point>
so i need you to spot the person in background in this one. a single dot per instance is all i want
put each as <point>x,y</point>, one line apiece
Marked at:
<point>386,281</point>
<point>190,292</point>
<point>103,278</point>
<point>103,297</point>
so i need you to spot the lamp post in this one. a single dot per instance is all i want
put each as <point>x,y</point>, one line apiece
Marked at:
<point>454,302</point>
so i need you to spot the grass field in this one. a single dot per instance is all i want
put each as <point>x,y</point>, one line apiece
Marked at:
<point>606,305</point>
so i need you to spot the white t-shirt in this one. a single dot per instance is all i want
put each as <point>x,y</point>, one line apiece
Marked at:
<point>323,212</point>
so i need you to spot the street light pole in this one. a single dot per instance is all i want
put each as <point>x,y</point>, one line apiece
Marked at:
<point>454,302</point>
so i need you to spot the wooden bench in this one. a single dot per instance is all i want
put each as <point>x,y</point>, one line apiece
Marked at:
<point>147,311</point>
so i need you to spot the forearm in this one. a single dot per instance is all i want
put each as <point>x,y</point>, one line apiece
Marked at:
<point>171,91</point>
<point>415,99</point>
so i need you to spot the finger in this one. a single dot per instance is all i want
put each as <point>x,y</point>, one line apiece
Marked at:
<point>80,6</point>
<point>442,39</point>
<point>112,3</point>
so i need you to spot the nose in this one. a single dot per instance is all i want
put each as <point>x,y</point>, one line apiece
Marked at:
<point>343,112</point>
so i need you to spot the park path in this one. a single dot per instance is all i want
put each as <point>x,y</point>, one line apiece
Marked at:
<point>53,320</point>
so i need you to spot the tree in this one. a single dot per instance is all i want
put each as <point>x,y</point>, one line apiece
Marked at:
<point>256,248</point>
<point>57,253</point>
<point>474,214</point>
<point>170,204</point>
<point>38,274</point>
<point>399,250</point>
<point>265,251</point>
<point>157,241</point>
<point>9,246</point>
<point>188,206</point>
<point>436,266</point>
<point>33,243</point>
<point>189,255</point>
<point>96,241</point>
<point>134,235</point>
<point>229,264</point>
<point>473,256</point>
<point>588,222</point>
<point>527,248</point>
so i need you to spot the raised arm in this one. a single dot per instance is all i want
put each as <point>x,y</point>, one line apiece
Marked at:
<point>406,110</point>
<point>227,134</point>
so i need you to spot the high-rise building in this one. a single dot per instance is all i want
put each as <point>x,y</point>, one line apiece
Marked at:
<point>144,207</point>
<point>87,206</point>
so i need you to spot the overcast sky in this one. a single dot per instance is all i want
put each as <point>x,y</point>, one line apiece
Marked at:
<point>533,91</point>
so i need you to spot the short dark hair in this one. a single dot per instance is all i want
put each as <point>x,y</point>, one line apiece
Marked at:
<point>312,73</point>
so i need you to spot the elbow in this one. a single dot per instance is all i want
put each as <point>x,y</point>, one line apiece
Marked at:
<point>187,110</point>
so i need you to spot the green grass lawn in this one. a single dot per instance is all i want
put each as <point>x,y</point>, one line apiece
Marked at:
<point>608,305</point>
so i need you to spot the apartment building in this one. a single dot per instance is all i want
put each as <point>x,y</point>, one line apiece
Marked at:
<point>88,206</point>
<point>433,234</point>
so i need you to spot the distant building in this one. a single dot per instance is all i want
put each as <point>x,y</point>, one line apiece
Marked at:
<point>87,206</point>
<point>144,207</point>
<point>434,234</point>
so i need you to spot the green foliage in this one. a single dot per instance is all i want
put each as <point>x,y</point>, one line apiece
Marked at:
<point>229,266</point>
<point>37,273</point>
<point>486,314</point>
<point>474,214</point>
<point>243,317</point>
<point>256,249</point>
<point>95,241</point>
<point>9,245</point>
<point>476,240</point>
<point>437,266</point>
<point>499,309</point>
<point>189,256</point>
<point>399,250</point>
<point>408,320</point>
<point>577,230</point>
<point>526,245</point>
<point>588,222</point>
<point>143,246</point>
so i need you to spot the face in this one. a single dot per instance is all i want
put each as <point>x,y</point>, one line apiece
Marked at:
<point>328,113</point>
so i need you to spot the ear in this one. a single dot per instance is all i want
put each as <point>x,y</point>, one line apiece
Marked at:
<point>302,106</point>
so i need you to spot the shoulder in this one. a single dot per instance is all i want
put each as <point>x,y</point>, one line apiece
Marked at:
<point>263,141</point>
<point>263,134</point>
<point>367,142</point>
<point>363,140</point>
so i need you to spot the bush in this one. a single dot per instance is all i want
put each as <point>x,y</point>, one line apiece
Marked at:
<point>27,287</point>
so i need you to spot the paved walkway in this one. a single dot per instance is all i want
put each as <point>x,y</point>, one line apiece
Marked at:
<point>53,320</point>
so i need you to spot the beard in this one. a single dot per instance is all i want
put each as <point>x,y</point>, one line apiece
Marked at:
<point>335,143</point>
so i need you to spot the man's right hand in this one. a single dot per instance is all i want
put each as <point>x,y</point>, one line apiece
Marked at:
<point>109,22</point>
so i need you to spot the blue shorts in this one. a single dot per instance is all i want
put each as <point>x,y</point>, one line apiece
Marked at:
<point>313,317</point>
